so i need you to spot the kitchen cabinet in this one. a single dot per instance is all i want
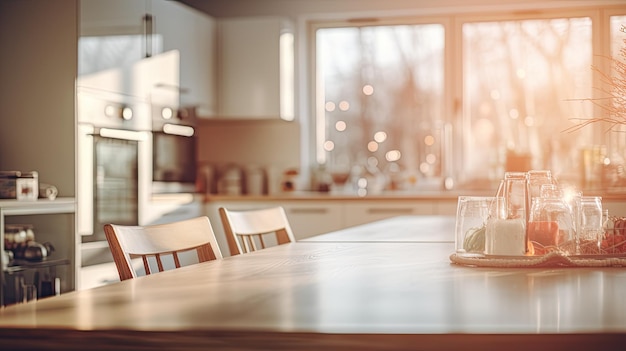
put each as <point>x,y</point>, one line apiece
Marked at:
<point>309,218</point>
<point>193,34</point>
<point>256,67</point>
<point>53,221</point>
<point>361,212</point>
<point>174,26</point>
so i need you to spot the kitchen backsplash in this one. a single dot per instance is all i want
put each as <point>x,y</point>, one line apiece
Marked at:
<point>271,145</point>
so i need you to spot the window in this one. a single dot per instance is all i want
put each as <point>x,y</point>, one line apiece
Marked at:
<point>618,52</point>
<point>380,93</point>
<point>519,79</point>
<point>410,104</point>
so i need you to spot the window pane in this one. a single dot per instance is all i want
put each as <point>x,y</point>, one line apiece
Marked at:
<point>380,98</point>
<point>520,78</point>
<point>617,143</point>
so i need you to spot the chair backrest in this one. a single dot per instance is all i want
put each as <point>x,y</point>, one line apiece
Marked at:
<point>170,239</point>
<point>245,230</point>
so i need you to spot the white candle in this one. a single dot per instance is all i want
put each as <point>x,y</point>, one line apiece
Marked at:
<point>505,237</point>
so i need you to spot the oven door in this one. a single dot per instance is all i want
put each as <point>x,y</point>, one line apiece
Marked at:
<point>109,185</point>
<point>174,162</point>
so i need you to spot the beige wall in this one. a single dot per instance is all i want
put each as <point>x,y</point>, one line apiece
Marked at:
<point>271,144</point>
<point>38,43</point>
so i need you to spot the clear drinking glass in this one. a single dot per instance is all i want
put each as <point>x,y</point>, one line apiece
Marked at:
<point>538,178</point>
<point>589,229</point>
<point>515,192</point>
<point>471,218</point>
<point>551,227</point>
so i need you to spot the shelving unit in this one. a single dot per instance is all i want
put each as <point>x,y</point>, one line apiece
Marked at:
<point>59,230</point>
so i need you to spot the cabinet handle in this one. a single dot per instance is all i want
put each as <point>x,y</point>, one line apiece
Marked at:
<point>389,210</point>
<point>308,210</point>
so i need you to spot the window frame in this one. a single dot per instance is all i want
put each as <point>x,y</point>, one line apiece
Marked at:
<point>452,22</point>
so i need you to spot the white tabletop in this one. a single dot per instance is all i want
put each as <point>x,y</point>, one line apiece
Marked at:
<point>338,295</point>
<point>397,229</point>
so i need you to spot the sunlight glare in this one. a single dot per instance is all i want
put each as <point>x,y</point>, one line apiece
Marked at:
<point>340,126</point>
<point>368,90</point>
<point>344,105</point>
<point>380,136</point>
<point>330,106</point>
<point>329,145</point>
<point>372,146</point>
<point>429,140</point>
<point>393,155</point>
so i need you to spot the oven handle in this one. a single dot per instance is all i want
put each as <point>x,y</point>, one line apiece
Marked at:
<point>123,134</point>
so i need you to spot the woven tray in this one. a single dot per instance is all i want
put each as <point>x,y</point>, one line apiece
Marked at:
<point>552,259</point>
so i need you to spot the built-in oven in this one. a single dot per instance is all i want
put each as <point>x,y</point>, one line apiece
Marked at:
<point>173,150</point>
<point>113,175</point>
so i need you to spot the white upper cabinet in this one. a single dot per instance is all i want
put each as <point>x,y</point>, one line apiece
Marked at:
<point>192,33</point>
<point>256,68</point>
<point>116,34</point>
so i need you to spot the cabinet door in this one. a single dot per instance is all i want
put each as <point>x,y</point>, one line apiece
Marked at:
<point>364,212</point>
<point>314,217</point>
<point>192,33</point>
<point>250,73</point>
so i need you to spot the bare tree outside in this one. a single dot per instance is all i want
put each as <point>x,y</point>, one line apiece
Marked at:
<point>524,85</point>
<point>383,96</point>
<point>519,78</point>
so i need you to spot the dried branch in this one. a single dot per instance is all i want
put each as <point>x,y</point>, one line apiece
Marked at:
<point>614,103</point>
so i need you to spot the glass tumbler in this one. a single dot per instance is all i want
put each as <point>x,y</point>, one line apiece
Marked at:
<point>471,218</point>
<point>551,227</point>
<point>515,191</point>
<point>589,229</point>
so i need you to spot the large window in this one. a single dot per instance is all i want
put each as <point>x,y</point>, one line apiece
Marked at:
<point>519,78</point>
<point>380,101</point>
<point>413,104</point>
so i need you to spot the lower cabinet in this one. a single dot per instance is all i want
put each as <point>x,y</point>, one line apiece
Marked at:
<point>313,218</point>
<point>361,212</point>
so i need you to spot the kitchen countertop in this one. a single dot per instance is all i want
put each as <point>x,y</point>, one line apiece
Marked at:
<point>388,195</point>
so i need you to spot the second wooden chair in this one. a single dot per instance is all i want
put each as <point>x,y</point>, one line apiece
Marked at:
<point>170,239</point>
<point>247,230</point>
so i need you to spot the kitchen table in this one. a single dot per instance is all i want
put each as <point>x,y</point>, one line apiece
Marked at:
<point>357,294</point>
<point>396,229</point>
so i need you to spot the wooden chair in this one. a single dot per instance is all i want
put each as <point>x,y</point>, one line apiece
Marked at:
<point>170,239</point>
<point>247,231</point>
